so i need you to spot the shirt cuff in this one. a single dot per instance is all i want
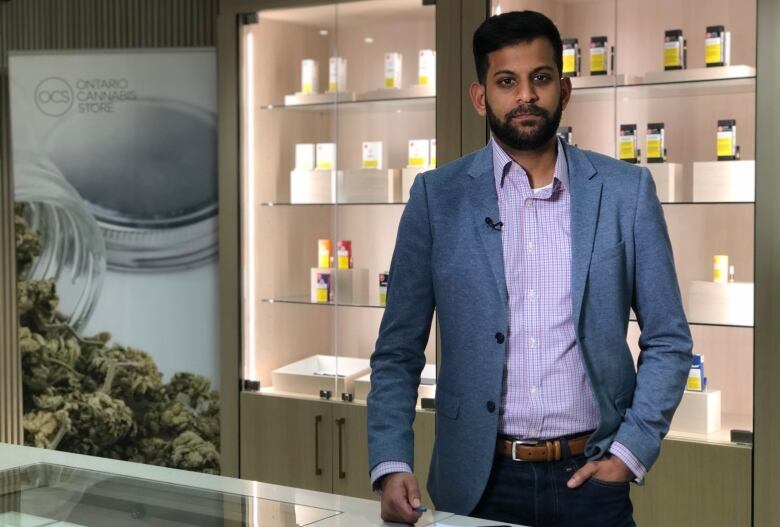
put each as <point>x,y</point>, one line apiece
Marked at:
<point>385,468</point>
<point>625,455</point>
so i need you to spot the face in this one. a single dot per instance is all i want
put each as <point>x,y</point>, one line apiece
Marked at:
<point>523,96</point>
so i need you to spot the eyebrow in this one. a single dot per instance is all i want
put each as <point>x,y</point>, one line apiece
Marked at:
<point>510,72</point>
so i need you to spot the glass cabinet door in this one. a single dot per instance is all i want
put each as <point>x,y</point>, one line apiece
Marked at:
<point>663,85</point>
<point>337,118</point>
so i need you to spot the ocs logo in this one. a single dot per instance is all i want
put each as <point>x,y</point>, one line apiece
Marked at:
<point>54,96</point>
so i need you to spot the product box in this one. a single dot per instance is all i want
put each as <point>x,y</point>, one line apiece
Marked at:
<point>309,76</point>
<point>655,143</point>
<point>697,382</point>
<point>599,61</point>
<point>372,154</point>
<point>393,70</point>
<point>326,156</point>
<point>384,280</point>
<point>419,153</point>
<point>344,253</point>
<point>716,46</point>
<point>304,156</point>
<point>432,159</point>
<point>337,74</point>
<point>720,268</point>
<point>427,67</point>
<point>571,57</point>
<point>627,144</point>
<point>324,253</point>
<point>727,140</point>
<point>322,292</point>
<point>674,50</point>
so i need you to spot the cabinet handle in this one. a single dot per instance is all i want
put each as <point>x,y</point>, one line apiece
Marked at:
<point>317,421</point>
<point>341,423</point>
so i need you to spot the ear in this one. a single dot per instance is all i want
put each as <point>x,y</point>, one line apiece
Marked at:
<point>565,92</point>
<point>477,92</point>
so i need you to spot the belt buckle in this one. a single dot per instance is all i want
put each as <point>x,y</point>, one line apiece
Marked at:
<point>522,442</point>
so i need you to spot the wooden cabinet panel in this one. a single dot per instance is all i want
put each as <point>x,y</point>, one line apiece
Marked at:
<point>287,441</point>
<point>696,484</point>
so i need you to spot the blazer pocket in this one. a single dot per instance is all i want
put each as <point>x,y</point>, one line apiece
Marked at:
<point>447,405</point>
<point>604,255</point>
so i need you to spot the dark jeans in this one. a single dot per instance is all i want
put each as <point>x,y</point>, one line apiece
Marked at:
<point>535,494</point>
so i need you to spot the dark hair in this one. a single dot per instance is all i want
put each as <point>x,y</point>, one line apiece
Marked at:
<point>511,28</point>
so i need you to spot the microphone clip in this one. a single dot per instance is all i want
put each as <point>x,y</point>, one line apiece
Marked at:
<point>496,226</point>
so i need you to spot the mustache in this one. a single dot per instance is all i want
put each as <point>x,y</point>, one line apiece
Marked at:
<point>526,109</point>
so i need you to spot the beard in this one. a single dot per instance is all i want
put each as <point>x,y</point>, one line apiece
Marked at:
<point>521,136</point>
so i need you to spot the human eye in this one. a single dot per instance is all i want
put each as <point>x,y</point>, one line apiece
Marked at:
<point>541,78</point>
<point>506,82</point>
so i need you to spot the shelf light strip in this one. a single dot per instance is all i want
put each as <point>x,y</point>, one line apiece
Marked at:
<point>249,243</point>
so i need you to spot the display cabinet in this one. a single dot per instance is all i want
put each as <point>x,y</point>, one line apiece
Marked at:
<point>337,117</point>
<point>668,90</point>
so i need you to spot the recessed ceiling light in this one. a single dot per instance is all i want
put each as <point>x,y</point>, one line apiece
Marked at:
<point>368,40</point>
<point>497,10</point>
<point>324,32</point>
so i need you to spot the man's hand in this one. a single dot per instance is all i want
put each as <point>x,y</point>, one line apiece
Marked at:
<point>400,495</point>
<point>610,469</point>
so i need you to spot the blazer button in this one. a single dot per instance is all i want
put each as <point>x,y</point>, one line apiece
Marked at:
<point>491,406</point>
<point>500,338</point>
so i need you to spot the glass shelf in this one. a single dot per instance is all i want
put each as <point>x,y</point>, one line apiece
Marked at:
<point>304,300</point>
<point>681,88</point>
<point>751,203</point>
<point>373,104</point>
<point>705,324</point>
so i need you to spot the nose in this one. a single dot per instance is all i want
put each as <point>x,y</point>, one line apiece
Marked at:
<point>526,93</point>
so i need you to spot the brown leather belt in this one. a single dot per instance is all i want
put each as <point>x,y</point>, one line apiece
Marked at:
<point>540,450</point>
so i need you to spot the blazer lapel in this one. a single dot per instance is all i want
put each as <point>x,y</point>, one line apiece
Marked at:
<point>585,191</point>
<point>484,204</point>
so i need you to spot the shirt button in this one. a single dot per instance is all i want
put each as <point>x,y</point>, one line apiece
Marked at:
<point>491,406</point>
<point>532,342</point>
<point>529,202</point>
<point>530,247</point>
<point>500,338</point>
<point>532,295</point>
<point>534,390</point>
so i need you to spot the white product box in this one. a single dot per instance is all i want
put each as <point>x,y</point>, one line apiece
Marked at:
<point>372,154</point>
<point>326,156</point>
<point>724,181</point>
<point>407,178</point>
<point>427,67</point>
<point>350,285</point>
<point>337,74</point>
<point>698,413</point>
<point>319,372</point>
<point>304,156</point>
<point>368,185</point>
<point>393,70</point>
<point>313,186</point>
<point>419,153</point>
<point>309,76</point>
<point>717,303</point>
<point>671,185</point>
<point>432,159</point>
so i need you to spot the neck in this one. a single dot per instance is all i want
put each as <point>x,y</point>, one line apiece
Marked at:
<point>539,164</point>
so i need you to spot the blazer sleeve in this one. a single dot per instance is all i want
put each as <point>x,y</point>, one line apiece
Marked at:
<point>399,355</point>
<point>665,341</point>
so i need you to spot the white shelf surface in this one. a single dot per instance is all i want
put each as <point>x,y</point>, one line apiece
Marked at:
<point>722,436</point>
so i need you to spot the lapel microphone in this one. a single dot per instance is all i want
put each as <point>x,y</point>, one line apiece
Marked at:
<point>495,226</point>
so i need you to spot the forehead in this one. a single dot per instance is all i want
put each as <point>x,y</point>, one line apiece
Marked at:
<point>523,56</point>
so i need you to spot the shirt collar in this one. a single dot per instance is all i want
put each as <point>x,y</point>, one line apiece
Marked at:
<point>502,163</point>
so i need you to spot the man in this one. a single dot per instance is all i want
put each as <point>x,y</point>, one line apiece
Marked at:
<point>532,252</point>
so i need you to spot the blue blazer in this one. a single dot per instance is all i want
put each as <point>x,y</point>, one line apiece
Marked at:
<point>446,258</point>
